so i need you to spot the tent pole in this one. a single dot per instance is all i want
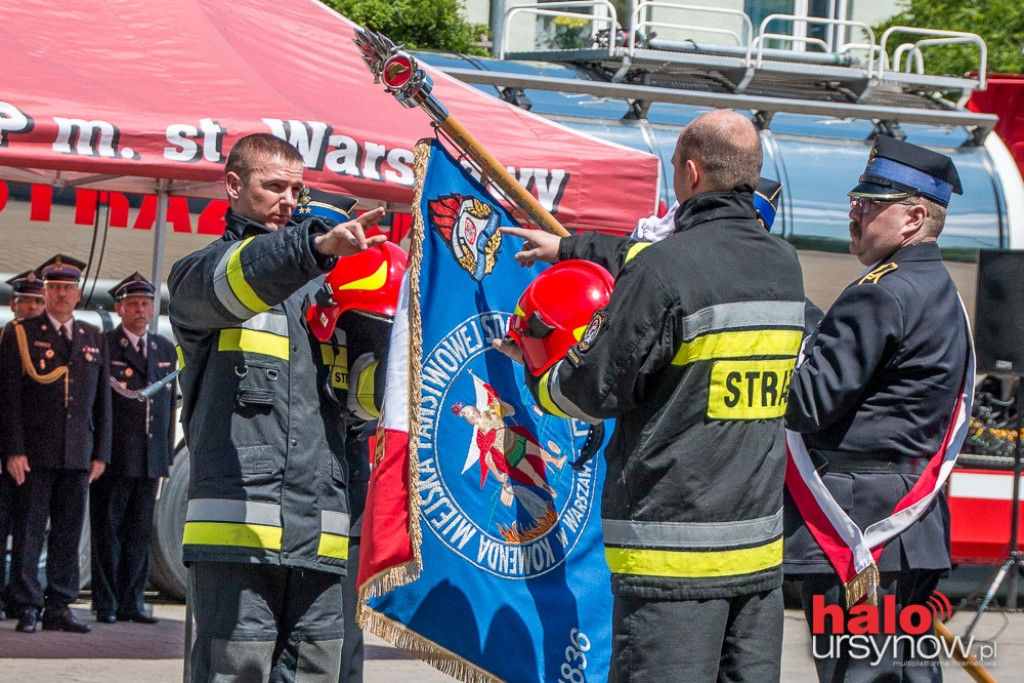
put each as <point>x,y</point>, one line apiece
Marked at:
<point>159,235</point>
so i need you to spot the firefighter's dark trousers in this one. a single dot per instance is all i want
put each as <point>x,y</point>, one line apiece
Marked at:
<point>257,623</point>
<point>726,640</point>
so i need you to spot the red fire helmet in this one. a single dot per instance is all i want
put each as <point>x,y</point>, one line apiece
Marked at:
<point>367,282</point>
<point>555,309</point>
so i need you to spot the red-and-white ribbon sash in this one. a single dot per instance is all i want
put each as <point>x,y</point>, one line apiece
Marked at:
<point>852,552</point>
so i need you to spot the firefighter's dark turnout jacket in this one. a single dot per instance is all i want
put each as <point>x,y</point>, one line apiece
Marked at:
<point>692,356</point>
<point>265,431</point>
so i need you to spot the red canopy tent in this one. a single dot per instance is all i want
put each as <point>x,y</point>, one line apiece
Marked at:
<point>1004,96</point>
<point>149,97</point>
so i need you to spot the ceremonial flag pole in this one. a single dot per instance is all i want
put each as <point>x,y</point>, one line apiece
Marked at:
<point>481,548</point>
<point>411,86</point>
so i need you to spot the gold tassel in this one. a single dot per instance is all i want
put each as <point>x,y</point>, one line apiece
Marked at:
<point>864,587</point>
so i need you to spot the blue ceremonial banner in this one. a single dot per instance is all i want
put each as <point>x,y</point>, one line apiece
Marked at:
<point>513,585</point>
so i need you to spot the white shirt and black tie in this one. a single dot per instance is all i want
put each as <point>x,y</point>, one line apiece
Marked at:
<point>138,342</point>
<point>64,331</point>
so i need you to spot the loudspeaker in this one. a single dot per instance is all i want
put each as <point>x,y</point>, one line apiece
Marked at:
<point>999,313</point>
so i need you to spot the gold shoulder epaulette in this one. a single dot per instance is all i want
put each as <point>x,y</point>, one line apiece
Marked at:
<point>875,275</point>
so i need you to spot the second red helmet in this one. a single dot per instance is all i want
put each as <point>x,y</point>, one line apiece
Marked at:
<point>367,282</point>
<point>556,308</point>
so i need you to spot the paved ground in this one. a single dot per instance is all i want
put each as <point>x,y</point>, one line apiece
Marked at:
<point>136,653</point>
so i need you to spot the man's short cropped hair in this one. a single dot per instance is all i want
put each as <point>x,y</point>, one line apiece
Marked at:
<point>250,151</point>
<point>726,146</point>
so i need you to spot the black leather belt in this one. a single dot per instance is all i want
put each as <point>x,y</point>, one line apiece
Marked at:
<point>850,462</point>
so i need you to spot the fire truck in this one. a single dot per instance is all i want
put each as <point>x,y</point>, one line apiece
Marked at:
<point>819,91</point>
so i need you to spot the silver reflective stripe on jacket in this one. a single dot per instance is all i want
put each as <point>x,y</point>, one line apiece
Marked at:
<point>265,333</point>
<point>237,523</point>
<point>693,549</point>
<point>231,287</point>
<point>334,529</point>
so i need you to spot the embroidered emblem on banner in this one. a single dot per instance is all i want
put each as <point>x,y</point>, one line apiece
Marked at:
<point>469,227</point>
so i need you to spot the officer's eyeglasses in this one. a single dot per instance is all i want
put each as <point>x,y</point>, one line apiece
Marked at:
<point>863,205</point>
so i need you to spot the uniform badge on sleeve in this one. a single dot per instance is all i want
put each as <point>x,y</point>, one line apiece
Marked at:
<point>592,330</point>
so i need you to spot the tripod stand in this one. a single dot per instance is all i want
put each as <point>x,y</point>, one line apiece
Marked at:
<point>1015,558</point>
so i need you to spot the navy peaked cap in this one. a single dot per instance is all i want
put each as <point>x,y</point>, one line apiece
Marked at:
<point>135,284</point>
<point>334,208</point>
<point>61,268</point>
<point>898,169</point>
<point>28,283</point>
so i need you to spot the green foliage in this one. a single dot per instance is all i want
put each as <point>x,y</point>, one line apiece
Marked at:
<point>568,33</point>
<point>418,24</point>
<point>622,12</point>
<point>999,22</point>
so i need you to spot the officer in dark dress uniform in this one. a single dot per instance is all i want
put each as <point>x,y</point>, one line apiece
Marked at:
<point>122,500</point>
<point>875,395</point>
<point>26,302</point>
<point>55,430</point>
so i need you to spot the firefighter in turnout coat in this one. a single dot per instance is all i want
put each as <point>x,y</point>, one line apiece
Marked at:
<point>691,356</point>
<point>266,531</point>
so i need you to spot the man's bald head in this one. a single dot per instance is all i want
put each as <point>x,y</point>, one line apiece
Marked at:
<point>727,148</point>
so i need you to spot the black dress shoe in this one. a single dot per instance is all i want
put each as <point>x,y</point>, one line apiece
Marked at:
<point>63,619</point>
<point>106,617</point>
<point>27,621</point>
<point>138,618</point>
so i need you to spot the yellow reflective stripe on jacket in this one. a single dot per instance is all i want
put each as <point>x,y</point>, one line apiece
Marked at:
<point>693,549</point>
<point>544,399</point>
<point>334,529</point>
<point>238,339</point>
<point>181,356</point>
<point>743,329</point>
<point>336,358</point>
<point>636,249</point>
<point>740,344</point>
<point>694,564</point>
<point>231,287</point>
<point>362,401</point>
<point>266,334</point>
<point>333,546</point>
<point>236,523</point>
<point>231,534</point>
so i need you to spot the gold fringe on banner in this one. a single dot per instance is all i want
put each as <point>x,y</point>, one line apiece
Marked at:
<point>401,574</point>
<point>421,648</point>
